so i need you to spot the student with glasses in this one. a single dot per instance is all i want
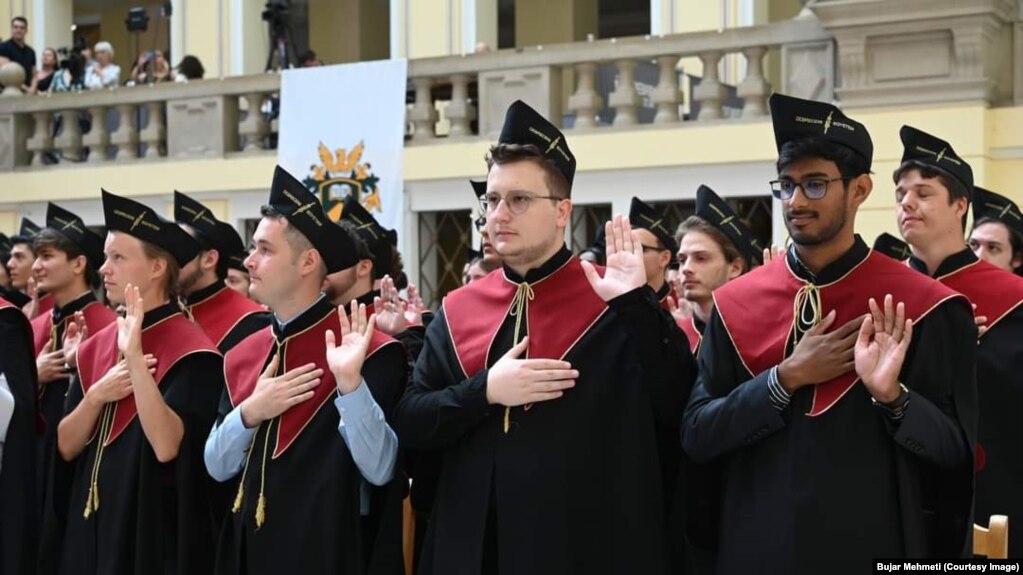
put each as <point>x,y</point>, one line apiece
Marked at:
<point>544,384</point>
<point>836,389</point>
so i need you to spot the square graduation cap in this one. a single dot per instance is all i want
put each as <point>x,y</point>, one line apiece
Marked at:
<point>139,220</point>
<point>933,151</point>
<point>302,209</point>
<point>711,208</point>
<point>892,247</point>
<point>73,228</point>
<point>797,119</point>
<point>524,125</point>
<point>643,215</point>
<point>220,235</point>
<point>5,245</point>
<point>987,204</point>
<point>378,239</point>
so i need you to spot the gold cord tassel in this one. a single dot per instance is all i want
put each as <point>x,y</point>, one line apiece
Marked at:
<point>261,502</point>
<point>808,296</point>
<point>92,498</point>
<point>240,497</point>
<point>520,307</point>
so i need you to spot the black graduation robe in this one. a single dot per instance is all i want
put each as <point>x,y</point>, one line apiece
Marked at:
<point>226,316</point>
<point>53,473</point>
<point>152,517</point>
<point>998,294</point>
<point>571,485</point>
<point>831,482</point>
<point>18,508</point>
<point>301,465</point>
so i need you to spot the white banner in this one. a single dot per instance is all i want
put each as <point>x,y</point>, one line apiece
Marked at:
<point>342,131</point>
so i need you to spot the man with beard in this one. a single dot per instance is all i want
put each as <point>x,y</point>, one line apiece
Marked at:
<point>715,247</point>
<point>997,235</point>
<point>933,190</point>
<point>839,441</point>
<point>226,316</point>
<point>544,385</point>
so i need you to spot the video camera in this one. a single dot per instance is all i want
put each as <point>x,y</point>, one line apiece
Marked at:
<point>70,58</point>
<point>276,12</point>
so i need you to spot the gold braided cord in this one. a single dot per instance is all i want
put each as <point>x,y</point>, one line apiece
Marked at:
<point>519,308</point>
<point>808,297</point>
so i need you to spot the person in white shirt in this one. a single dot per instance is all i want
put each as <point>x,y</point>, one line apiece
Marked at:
<point>103,73</point>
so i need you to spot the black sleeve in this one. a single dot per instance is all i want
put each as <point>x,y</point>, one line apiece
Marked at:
<point>728,408</point>
<point>662,349</point>
<point>386,375</point>
<point>248,325</point>
<point>941,417</point>
<point>439,405</point>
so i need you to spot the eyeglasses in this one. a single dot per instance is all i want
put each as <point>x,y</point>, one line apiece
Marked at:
<point>813,188</point>
<point>479,222</point>
<point>517,202</point>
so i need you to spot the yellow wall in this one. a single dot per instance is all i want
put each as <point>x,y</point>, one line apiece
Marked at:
<point>206,32</point>
<point>353,31</point>
<point>539,22</point>
<point>113,30</point>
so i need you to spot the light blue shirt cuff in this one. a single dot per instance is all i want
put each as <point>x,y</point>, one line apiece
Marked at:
<point>371,441</point>
<point>227,445</point>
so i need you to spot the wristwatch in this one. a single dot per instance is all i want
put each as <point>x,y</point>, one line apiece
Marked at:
<point>896,407</point>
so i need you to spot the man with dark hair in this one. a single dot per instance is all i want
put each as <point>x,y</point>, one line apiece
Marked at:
<point>67,257</point>
<point>715,247</point>
<point>810,423</point>
<point>543,386</point>
<point>20,265</point>
<point>997,235</point>
<point>659,246</point>
<point>16,50</point>
<point>933,192</point>
<point>225,316</point>
<point>300,462</point>
<point>138,409</point>
<point>19,526</point>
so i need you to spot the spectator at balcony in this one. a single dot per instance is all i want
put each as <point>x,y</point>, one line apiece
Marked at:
<point>308,59</point>
<point>44,76</point>
<point>151,67</point>
<point>103,73</point>
<point>16,50</point>
<point>189,68</point>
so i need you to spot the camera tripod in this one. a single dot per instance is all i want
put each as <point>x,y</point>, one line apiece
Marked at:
<point>282,46</point>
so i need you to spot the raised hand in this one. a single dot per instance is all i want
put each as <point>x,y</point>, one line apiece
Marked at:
<point>273,395</point>
<point>625,270</point>
<point>771,253</point>
<point>390,310</point>
<point>680,311</point>
<point>77,331</point>
<point>513,381</point>
<point>981,321</point>
<point>819,356</point>
<point>31,309</point>
<point>345,359</point>
<point>115,384</point>
<point>881,349</point>
<point>416,308</point>
<point>129,327</point>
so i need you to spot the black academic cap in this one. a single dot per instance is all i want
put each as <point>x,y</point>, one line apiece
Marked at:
<point>303,210</point>
<point>797,119</point>
<point>221,236</point>
<point>524,125</point>
<point>73,228</point>
<point>139,220</point>
<point>892,247</point>
<point>377,238</point>
<point>479,187</point>
<point>29,229</point>
<point>933,151</point>
<point>5,245</point>
<point>987,204</point>
<point>643,215</point>
<point>711,208</point>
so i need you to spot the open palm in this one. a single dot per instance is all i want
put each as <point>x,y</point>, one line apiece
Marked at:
<point>345,359</point>
<point>129,327</point>
<point>881,348</point>
<point>625,270</point>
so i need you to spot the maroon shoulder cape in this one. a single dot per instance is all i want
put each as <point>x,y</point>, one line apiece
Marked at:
<point>169,340</point>
<point>559,310</point>
<point>994,291</point>
<point>758,311</point>
<point>97,317</point>
<point>218,314</point>
<point>246,361</point>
